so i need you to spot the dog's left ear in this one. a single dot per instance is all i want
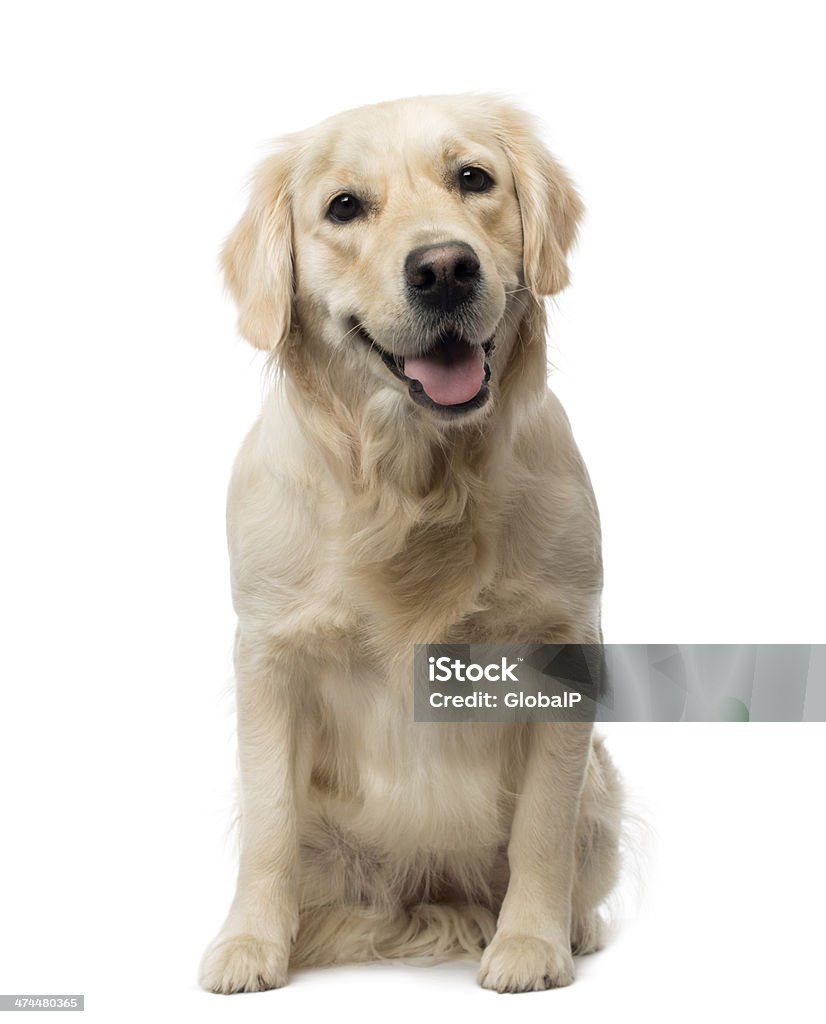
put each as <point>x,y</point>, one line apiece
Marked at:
<point>257,258</point>
<point>550,205</point>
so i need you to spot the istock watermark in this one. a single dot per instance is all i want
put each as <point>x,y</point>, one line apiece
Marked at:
<point>443,670</point>
<point>620,682</point>
<point>498,683</point>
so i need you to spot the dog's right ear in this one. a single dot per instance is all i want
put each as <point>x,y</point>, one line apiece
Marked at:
<point>257,258</point>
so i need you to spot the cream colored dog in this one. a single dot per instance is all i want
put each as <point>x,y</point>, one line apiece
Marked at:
<point>411,479</point>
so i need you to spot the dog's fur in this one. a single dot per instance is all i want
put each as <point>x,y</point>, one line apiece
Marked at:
<point>362,522</point>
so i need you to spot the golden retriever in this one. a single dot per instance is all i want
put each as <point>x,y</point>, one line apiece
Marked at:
<point>411,479</point>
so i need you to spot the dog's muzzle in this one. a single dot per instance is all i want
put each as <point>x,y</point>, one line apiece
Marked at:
<point>451,377</point>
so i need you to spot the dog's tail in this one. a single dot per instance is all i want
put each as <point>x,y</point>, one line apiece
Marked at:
<point>356,934</point>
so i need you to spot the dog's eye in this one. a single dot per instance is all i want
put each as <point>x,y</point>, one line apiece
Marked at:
<point>344,208</point>
<point>474,179</point>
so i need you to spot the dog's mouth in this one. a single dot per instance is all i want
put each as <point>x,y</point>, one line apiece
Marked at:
<point>451,376</point>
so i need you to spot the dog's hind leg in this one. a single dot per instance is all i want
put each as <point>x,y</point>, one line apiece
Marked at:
<point>597,850</point>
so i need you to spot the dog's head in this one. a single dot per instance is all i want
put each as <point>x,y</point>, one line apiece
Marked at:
<point>404,241</point>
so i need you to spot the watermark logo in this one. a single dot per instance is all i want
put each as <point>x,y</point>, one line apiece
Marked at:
<point>505,683</point>
<point>445,670</point>
<point>620,682</point>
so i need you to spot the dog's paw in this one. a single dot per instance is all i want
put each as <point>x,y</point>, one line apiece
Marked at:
<point>244,963</point>
<point>521,963</point>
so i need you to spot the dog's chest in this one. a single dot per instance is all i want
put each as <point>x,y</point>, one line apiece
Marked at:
<point>388,779</point>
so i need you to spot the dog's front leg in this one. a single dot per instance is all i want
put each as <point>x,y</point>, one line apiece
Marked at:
<point>531,948</point>
<point>252,950</point>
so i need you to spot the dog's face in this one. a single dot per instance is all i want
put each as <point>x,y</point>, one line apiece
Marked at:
<point>407,238</point>
<point>409,232</point>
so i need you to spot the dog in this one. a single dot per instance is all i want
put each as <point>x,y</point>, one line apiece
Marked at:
<point>411,479</point>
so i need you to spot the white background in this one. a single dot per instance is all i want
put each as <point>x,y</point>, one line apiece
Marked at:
<point>689,353</point>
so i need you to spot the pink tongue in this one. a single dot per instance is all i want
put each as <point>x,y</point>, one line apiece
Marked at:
<point>451,374</point>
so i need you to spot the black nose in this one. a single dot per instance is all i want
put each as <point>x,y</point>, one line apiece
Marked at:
<point>442,276</point>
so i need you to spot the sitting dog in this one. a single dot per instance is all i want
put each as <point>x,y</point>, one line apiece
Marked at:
<point>411,479</point>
